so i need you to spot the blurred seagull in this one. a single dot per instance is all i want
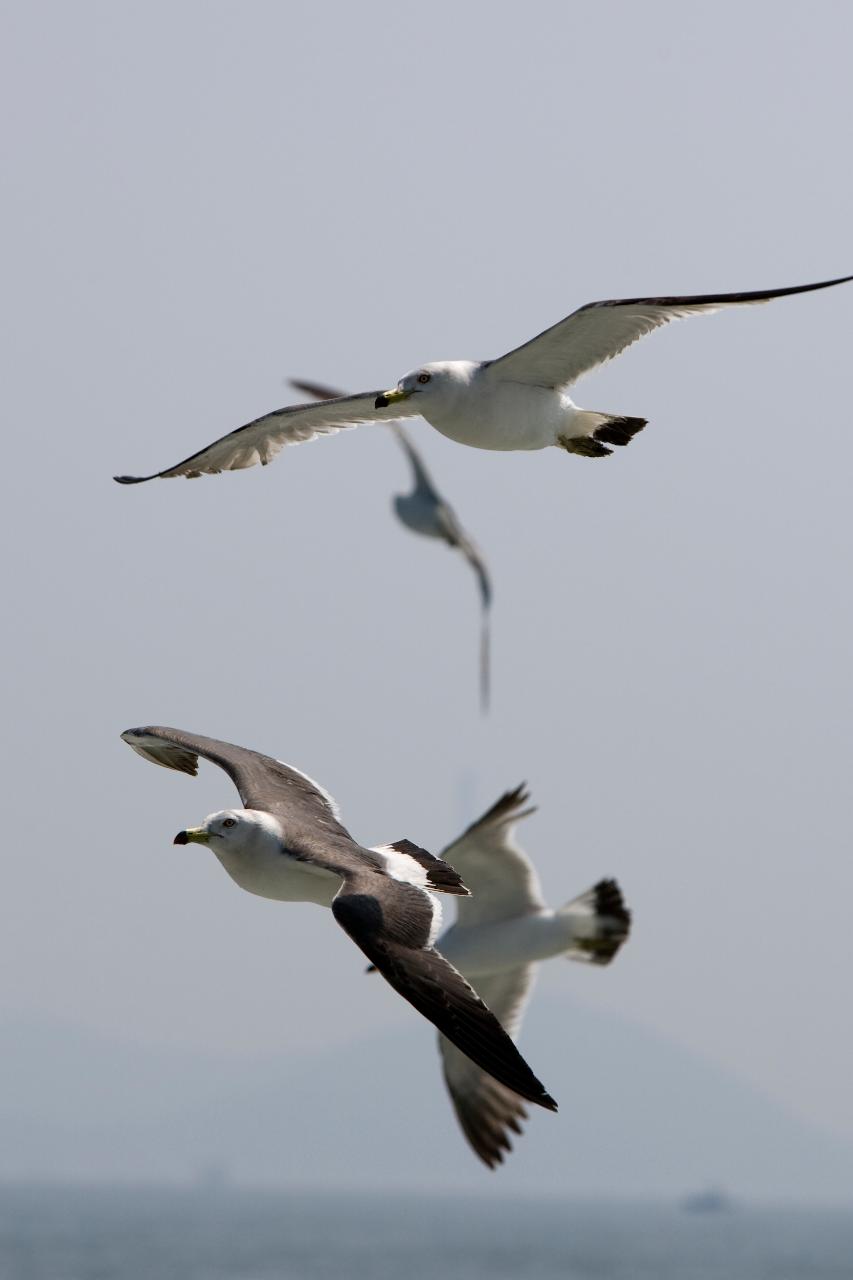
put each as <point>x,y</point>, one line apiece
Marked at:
<point>425,511</point>
<point>500,935</point>
<point>287,843</point>
<point>518,401</point>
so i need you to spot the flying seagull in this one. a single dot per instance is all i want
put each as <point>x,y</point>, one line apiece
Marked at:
<point>425,511</point>
<point>518,401</point>
<point>287,843</point>
<point>501,934</point>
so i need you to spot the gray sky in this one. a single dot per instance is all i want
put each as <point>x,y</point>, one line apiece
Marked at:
<point>205,198</point>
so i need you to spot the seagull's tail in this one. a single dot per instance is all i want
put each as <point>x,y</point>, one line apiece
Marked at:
<point>600,922</point>
<point>591,432</point>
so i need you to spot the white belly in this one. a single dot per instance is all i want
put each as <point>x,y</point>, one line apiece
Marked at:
<point>508,415</point>
<point>275,875</point>
<point>505,944</point>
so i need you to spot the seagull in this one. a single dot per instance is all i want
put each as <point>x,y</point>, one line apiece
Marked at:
<point>287,843</point>
<point>425,511</point>
<point>501,934</point>
<point>518,401</point>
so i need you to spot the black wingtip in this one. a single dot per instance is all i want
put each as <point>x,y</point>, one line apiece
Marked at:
<point>510,806</point>
<point>130,479</point>
<point>547,1102</point>
<point>439,874</point>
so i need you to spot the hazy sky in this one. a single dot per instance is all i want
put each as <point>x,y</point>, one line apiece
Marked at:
<point>204,198</point>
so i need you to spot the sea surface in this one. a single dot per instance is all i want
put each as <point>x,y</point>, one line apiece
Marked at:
<point>145,1234</point>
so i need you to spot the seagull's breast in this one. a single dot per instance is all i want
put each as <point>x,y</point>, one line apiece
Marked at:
<point>487,413</point>
<point>269,871</point>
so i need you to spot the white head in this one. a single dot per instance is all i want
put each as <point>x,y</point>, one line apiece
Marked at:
<point>436,382</point>
<point>250,846</point>
<point>235,832</point>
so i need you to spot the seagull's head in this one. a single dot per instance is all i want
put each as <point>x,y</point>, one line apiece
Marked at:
<point>233,831</point>
<point>431,384</point>
<point>249,844</point>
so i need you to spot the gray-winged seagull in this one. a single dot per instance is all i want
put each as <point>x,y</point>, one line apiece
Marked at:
<point>426,512</point>
<point>287,843</point>
<point>518,401</point>
<point>501,934</point>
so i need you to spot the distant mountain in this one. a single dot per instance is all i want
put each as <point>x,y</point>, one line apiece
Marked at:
<point>638,1116</point>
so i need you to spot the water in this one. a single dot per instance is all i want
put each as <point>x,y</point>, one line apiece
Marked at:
<point>142,1234</point>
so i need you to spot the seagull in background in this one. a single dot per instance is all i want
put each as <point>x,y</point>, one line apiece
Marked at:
<point>518,401</point>
<point>425,511</point>
<point>287,843</point>
<point>501,935</point>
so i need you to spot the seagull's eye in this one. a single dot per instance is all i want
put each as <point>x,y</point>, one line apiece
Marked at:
<point>229,822</point>
<point>423,377</point>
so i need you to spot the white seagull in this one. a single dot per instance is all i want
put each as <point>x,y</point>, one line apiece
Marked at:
<point>426,512</point>
<point>287,843</point>
<point>518,401</point>
<point>501,934</point>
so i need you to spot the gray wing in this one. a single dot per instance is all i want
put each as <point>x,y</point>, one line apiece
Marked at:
<point>424,482</point>
<point>261,440</point>
<point>454,534</point>
<point>392,923</point>
<point>262,782</point>
<point>307,814</point>
<point>485,659</point>
<point>486,1110</point>
<point>601,330</point>
<point>426,512</point>
<point>502,879</point>
<point>449,528</point>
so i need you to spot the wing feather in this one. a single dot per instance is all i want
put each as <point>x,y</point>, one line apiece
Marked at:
<point>262,782</point>
<point>502,879</point>
<point>599,331</point>
<point>488,1111</point>
<point>391,922</point>
<point>259,441</point>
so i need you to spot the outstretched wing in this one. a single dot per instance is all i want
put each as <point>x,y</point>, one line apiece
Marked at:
<point>393,924</point>
<point>261,440</point>
<point>501,877</point>
<point>601,330</point>
<point>263,783</point>
<point>486,1110</point>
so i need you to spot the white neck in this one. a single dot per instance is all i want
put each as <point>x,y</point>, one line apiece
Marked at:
<point>257,863</point>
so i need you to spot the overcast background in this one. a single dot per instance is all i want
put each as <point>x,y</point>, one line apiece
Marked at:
<point>204,198</point>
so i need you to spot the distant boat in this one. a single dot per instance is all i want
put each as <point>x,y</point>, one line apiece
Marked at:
<point>711,1200</point>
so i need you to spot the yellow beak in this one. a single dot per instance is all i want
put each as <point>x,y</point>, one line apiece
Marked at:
<point>391,397</point>
<point>192,835</point>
